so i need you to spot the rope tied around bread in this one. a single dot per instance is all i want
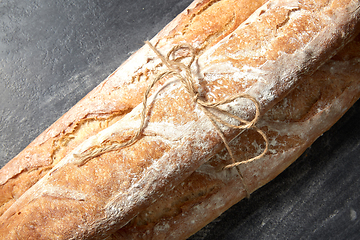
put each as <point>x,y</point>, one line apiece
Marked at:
<point>183,72</point>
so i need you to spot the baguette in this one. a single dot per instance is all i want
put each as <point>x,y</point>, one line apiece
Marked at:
<point>292,125</point>
<point>76,116</point>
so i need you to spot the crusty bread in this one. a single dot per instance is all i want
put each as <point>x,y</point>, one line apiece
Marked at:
<point>112,102</point>
<point>292,125</point>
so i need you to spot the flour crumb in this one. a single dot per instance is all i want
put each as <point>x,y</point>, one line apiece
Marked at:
<point>352,214</point>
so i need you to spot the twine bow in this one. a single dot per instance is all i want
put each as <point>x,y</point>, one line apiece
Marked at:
<point>176,68</point>
<point>183,72</point>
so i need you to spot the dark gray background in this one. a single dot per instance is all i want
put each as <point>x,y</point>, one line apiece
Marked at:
<point>53,52</point>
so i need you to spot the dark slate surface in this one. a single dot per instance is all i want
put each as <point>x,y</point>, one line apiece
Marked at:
<point>53,52</point>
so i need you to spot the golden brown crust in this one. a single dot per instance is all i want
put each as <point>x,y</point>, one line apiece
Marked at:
<point>291,125</point>
<point>173,147</point>
<point>113,105</point>
<point>104,105</point>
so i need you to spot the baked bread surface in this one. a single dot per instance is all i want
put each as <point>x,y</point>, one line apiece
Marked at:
<point>292,125</point>
<point>113,107</point>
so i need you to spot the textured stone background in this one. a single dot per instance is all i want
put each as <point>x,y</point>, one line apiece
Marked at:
<point>53,52</point>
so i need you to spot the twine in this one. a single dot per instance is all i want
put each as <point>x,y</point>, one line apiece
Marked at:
<point>183,72</point>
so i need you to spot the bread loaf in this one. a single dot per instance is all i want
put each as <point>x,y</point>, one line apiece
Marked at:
<point>76,205</point>
<point>292,125</point>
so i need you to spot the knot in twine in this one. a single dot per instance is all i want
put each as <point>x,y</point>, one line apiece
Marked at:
<point>183,72</point>
<point>176,68</point>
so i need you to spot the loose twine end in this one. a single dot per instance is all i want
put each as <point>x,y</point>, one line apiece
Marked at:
<point>182,71</point>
